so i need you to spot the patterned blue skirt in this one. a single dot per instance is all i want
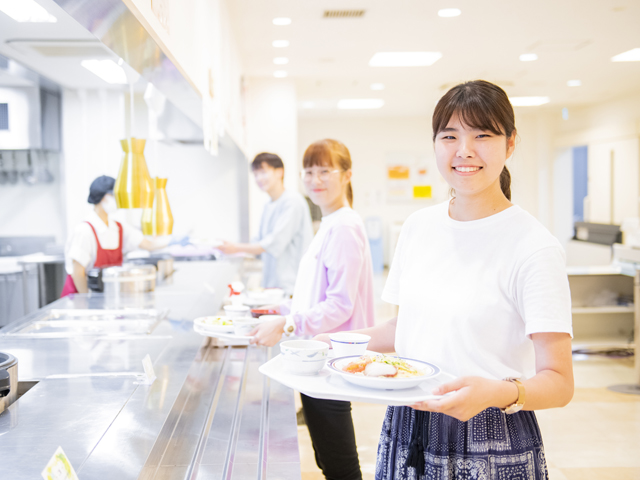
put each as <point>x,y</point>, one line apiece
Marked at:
<point>490,446</point>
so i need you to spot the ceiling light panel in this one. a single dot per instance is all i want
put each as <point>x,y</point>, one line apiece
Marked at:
<point>574,83</point>
<point>281,21</point>
<point>449,12</point>
<point>377,86</point>
<point>280,43</point>
<point>629,56</point>
<point>528,101</point>
<point>404,59</point>
<point>280,74</point>
<point>280,60</point>
<point>308,104</point>
<point>360,103</point>
<point>26,11</point>
<point>107,70</point>
<point>528,57</point>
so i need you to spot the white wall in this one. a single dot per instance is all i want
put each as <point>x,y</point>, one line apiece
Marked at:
<point>612,126</point>
<point>27,210</point>
<point>272,126</point>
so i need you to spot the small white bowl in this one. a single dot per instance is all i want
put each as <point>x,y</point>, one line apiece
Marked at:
<point>304,357</point>
<point>243,326</point>
<point>237,311</point>
<point>348,343</point>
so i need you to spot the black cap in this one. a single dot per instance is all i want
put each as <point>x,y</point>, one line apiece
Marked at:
<point>99,188</point>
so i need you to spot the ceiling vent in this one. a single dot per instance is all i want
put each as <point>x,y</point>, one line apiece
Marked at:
<point>343,14</point>
<point>62,48</point>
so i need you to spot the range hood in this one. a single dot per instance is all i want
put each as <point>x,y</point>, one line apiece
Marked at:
<point>29,112</point>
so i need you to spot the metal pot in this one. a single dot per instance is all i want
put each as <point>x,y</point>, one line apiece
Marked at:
<point>8,380</point>
<point>162,261</point>
<point>128,279</point>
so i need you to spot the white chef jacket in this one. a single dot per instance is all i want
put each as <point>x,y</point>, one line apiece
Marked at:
<point>82,246</point>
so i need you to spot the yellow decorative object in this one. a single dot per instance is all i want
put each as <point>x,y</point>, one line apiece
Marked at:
<point>133,188</point>
<point>158,219</point>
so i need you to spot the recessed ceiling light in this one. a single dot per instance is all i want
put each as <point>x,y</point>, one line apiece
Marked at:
<point>528,57</point>
<point>360,103</point>
<point>282,21</point>
<point>26,11</point>
<point>630,56</point>
<point>528,101</point>
<point>574,83</point>
<point>107,70</point>
<point>404,59</point>
<point>449,12</point>
<point>280,74</point>
<point>377,86</point>
<point>280,60</point>
<point>308,104</point>
<point>280,43</point>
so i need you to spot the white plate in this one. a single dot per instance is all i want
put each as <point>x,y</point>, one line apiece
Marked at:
<point>328,386</point>
<point>200,322</point>
<point>383,383</point>
<point>230,338</point>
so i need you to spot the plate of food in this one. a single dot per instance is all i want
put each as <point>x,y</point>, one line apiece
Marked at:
<point>383,372</point>
<point>215,324</point>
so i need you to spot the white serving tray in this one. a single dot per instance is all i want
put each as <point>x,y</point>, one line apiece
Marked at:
<point>330,386</point>
<point>229,338</point>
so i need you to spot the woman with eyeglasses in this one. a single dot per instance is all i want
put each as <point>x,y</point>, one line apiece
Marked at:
<point>333,292</point>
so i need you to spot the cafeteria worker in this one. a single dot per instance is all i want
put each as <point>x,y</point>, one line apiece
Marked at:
<point>99,241</point>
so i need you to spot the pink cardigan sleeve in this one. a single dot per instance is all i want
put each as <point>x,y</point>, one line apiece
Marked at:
<point>342,258</point>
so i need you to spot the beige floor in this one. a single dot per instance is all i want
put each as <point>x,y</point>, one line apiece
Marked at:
<point>596,437</point>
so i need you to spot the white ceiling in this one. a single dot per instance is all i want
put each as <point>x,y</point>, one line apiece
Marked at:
<point>328,58</point>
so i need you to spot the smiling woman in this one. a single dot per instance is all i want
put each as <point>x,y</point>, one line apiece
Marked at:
<point>493,310</point>
<point>474,116</point>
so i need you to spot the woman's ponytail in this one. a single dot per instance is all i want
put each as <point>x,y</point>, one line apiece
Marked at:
<point>350,194</point>
<point>505,182</point>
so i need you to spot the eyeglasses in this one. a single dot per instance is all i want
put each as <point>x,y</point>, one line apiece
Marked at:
<point>323,174</point>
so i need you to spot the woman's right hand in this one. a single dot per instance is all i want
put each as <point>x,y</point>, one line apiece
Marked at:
<point>323,337</point>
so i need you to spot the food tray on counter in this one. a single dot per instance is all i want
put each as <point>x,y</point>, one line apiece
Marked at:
<point>330,386</point>
<point>229,338</point>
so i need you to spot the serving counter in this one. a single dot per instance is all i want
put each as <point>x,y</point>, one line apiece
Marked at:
<point>208,414</point>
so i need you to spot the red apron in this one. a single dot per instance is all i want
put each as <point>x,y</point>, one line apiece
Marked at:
<point>104,258</point>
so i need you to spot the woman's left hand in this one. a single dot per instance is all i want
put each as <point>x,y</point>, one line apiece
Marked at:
<point>469,396</point>
<point>268,333</point>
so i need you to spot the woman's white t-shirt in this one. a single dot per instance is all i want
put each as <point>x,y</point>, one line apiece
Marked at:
<point>471,293</point>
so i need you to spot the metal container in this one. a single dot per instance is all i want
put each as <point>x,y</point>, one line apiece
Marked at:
<point>8,380</point>
<point>163,263</point>
<point>128,279</point>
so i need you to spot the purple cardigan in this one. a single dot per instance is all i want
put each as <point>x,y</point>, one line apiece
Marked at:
<point>342,294</point>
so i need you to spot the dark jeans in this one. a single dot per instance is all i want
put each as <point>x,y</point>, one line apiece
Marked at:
<point>333,438</point>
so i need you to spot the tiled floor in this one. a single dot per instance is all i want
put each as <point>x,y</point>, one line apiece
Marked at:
<point>596,437</point>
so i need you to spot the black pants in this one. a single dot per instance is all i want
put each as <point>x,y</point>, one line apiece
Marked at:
<point>333,437</point>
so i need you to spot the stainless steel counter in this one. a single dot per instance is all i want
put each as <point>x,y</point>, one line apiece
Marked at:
<point>209,413</point>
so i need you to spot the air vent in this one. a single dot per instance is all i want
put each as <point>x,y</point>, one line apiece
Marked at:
<point>62,48</point>
<point>4,116</point>
<point>343,14</point>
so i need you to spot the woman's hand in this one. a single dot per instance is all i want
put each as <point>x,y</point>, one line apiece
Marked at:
<point>228,248</point>
<point>469,396</point>
<point>268,333</point>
